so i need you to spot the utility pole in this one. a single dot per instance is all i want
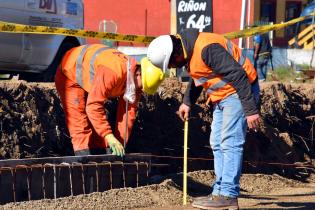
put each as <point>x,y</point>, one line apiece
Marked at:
<point>243,14</point>
<point>248,21</point>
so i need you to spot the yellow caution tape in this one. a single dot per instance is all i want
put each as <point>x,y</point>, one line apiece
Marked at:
<point>265,28</point>
<point>20,28</point>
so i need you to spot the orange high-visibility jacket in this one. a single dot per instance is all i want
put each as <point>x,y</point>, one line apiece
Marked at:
<point>102,72</point>
<point>216,87</point>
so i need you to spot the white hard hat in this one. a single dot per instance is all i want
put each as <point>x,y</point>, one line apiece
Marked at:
<point>160,50</point>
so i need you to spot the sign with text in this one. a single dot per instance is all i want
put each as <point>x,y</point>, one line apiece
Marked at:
<point>194,14</point>
<point>49,5</point>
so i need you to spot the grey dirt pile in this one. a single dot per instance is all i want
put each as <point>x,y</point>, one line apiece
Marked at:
<point>168,193</point>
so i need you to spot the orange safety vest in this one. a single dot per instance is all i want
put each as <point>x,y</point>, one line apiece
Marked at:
<point>216,87</point>
<point>80,64</point>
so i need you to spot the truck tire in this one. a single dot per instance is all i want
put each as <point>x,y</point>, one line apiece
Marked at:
<point>49,74</point>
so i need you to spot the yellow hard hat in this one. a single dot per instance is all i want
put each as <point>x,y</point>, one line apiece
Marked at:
<point>151,76</point>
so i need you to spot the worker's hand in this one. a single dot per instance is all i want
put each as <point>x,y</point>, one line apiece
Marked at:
<point>115,145</point>
<point>183,112</point>
<point>253,121</point>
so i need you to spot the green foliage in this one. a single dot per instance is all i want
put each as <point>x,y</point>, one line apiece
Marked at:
<point>303,66</point>
<point>288,74</point>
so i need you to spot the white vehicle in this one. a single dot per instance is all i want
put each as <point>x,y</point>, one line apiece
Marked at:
<point>35,57</point>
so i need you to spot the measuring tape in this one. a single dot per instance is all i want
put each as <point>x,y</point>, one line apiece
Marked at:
<point>20,28</point>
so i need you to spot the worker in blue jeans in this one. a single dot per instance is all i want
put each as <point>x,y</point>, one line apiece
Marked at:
<point>218,66</point>
<point>262,54</point>
<point>228,133</point>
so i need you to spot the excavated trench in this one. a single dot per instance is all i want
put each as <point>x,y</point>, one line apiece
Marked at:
<point>32,125</point>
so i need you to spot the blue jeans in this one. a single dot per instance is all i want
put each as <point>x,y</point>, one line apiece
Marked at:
<point>261,67</point>
<point>228,132</point>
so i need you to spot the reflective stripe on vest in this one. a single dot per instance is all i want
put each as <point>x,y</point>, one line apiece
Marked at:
<point>216,86</point>
<point>230,50</point>
<point>202,80</point>
<point>78,73</point>
<point>128,65</point>
<point>93,60</point>
<point>212,88</point>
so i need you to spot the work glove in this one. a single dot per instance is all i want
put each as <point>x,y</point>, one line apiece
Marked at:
<point>115,145</point>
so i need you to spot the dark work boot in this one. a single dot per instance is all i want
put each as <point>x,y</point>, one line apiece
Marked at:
<point>217,202</point>
<point>204,197</point>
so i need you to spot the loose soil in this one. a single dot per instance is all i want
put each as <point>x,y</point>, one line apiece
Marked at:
<point>32,125</point>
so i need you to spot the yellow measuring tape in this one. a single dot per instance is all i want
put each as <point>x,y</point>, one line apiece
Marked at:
<point>185,162</point>
<point>20,28</point>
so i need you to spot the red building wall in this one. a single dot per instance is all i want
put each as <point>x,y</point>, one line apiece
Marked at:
<point>226,15</point>
<point>144,17</point>
<point>152,17</point>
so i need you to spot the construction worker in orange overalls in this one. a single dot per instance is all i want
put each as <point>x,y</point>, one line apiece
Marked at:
<point>88,76</point>
<point>222,69</point>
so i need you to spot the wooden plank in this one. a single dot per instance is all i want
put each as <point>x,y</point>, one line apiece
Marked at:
<point>36,182</point>
<point>63,184</point>
<point>22,192</point>
<point>77,179</point>
<point>117,175</point>
<point>309,45</point>
<point>291,41</point>
<point>143,173</point>
<point>305,39</point>
<point>301,34</point>
<point>52,181</point>
<point>6,185</point>
<point>131,170</point>
<point>306,31</point>
<point>49,181</point>
<point>310,73</point>
<point>131,157</point>
<point>104,176</point>
<point>90,178</point>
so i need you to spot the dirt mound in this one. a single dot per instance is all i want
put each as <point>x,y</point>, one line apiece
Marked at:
<point>32,121</point>
<point>287,134</point>
<point>32,125</point>
<point>259,191</point>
